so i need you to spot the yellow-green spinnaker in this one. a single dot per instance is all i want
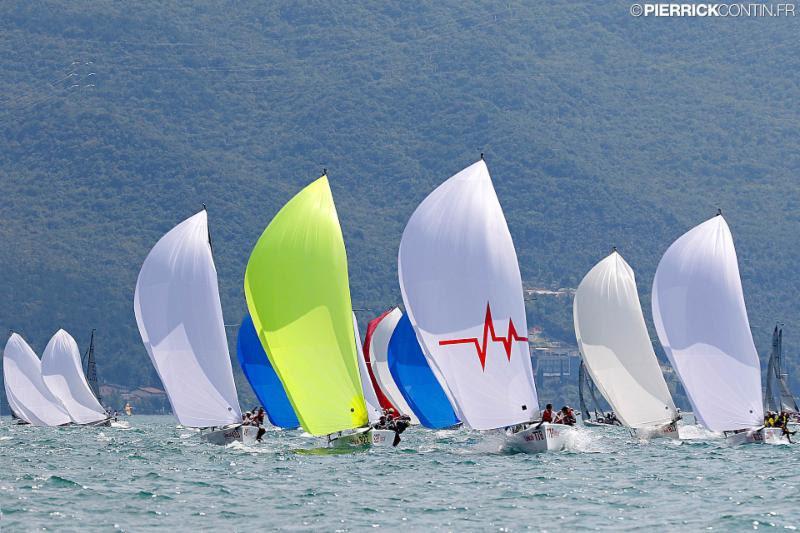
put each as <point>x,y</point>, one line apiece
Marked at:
<point>298,293</point>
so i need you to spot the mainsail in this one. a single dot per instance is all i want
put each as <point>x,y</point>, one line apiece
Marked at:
<point>462,290</point>
<point>26,393</point>
<point>374,410</point>
<point>701,320</point>
<point>91,369</point>
<point>377,354</point>
<point>777,395</point>
<point>416,381</point>
<point>62,372</point>
<point>297,291</point>
<point>616,347</point>
<point>262,378</point>
<point>179,315</point>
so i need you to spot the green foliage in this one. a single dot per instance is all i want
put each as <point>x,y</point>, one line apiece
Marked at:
<point>600,129</point>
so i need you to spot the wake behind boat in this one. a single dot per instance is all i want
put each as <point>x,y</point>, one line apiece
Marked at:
<point>179,315</point>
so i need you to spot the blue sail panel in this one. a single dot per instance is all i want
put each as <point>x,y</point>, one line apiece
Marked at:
<point>262,377</point>
<point>415,379</point>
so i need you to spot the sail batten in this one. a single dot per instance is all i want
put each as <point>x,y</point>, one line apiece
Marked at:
<point>179,314</point>
<point>462,290</point>
<point>616,348</point>
<point>298,295</point>
<point>701,319</point>
<point>26,392</point>
<point>62,372</point>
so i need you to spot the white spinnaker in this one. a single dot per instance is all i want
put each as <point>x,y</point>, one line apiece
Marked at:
<point>62,372</point>
<point>179,315</point>
<point>616,347</point>
<point>379,358</point>
<point>374,410</point>
<point>26,392</point>
<point>701,320</point>
<point>458,268</point>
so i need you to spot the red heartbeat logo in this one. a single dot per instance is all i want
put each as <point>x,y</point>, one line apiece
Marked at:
<point>488,328</point>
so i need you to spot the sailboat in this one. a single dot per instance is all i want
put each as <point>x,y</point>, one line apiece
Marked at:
<point>462,290</point>
<point>415,380</point>
<point>298,294</point>
<point>616,349</point>
<point>62,372</point>
<point>701,319</point>
<point>179,315</point>
<point>30,400</point>
<point>262,378</point>
<point>376,354</point>
<point>777,396</point>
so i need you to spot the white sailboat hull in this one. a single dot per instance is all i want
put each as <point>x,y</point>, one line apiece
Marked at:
<point>538,438</point>
<point>382,438</point>
<point>666,431</point>
<point>757,436</point>
<point>225,436</point>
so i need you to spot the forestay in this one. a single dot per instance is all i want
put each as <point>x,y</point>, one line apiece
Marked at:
<point>462,290</point>
<point>62,372</point>
<point>701,320</point>
<point>416,381</point>
<point>179,315</point>
<point>297,291</point>
<point>374,410</point>
<point>262,378</point>
<point>382,329</point>
<point>616,348</point>
<point>26,392</point>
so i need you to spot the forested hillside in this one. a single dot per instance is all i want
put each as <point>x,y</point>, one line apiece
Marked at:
<point>118,120</point>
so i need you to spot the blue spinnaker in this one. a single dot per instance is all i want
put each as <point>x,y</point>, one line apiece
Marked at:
<point>415,379</point>
<point>262,377</point>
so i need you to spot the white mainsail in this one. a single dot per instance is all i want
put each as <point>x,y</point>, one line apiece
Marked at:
<point>701,320</point>
<point>26,392</point>
<point>616,347</point>
<point>179,315</point>
<point>462,290</point>
<point>379,358</point>
<point>374,410</point>
<point>62,372</point>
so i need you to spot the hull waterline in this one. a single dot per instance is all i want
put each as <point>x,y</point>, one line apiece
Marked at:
<point>538,438</point>
<point>225,436</point>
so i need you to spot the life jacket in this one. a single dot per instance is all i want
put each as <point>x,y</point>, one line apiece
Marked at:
<point>547,416</point>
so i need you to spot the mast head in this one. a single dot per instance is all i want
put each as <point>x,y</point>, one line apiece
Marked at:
<point>719,211</point>
<point>324,172</point>
<point>613,249</point>
<point>482,156</point>
<point>204,207</point>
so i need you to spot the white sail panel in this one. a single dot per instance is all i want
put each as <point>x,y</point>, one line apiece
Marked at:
<point>701,320</point>
<point>179,315</point>
<point>462,290</point>
<point>374,410</point>
<point>616,347</point>
<point>62,372</point>
<point>379,358</point>
<point>26,392</point>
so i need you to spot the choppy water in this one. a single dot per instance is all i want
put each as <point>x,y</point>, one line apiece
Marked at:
<point>157,476</point>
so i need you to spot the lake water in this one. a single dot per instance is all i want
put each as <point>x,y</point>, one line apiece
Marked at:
<point>156,476</point>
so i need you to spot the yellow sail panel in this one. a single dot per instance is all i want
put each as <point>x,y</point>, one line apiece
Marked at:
<point>298,294</point>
